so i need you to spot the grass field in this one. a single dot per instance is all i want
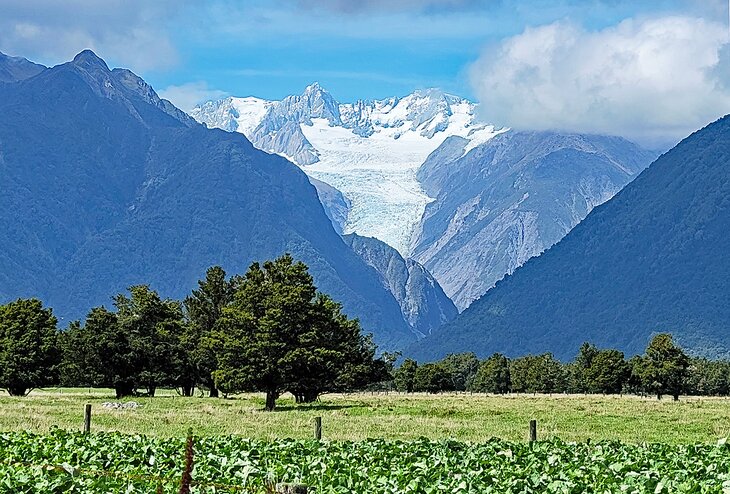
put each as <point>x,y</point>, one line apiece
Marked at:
<point>463,417</point>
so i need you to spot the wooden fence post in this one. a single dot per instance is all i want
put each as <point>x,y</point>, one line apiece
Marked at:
<point>318,428</point>
<point>533,431</point>
<point>87,418</point>
<point>290,489</point>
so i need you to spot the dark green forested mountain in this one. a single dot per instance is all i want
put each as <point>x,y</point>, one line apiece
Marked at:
<point>655,258</point>
<point>104,185</point>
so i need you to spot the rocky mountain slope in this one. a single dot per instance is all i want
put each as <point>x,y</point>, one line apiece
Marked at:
<point>504,201</point>
<point>652,259</point>
<point>105,185</point>
<point>423,303</point>
<point>14,69</point>
<point>368,150</point>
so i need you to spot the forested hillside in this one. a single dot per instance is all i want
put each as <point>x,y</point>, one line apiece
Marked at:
<point>105,185</point>
<point>652,259</point>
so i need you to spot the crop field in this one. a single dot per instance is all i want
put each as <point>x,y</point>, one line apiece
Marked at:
<point>372,444</point>
<point>111,462</point>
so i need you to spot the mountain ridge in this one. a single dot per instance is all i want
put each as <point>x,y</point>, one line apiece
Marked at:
<point>652,259</point>
<point>119,188</point>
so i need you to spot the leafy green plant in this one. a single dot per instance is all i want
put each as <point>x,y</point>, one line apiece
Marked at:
<point>109,462</point>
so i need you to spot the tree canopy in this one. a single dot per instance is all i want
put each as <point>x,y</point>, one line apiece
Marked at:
<point>28,350</point>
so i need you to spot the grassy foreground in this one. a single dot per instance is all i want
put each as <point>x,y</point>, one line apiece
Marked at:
<point>463,417</point>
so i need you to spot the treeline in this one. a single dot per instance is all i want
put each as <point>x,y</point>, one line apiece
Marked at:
<point>663,369</point>
<point>269,330</point>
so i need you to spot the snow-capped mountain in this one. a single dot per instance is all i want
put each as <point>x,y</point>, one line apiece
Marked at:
<point>368,150</point>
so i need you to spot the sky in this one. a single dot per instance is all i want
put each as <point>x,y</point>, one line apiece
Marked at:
<point>649,70</point>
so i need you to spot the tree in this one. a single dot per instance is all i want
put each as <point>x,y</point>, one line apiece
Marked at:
<point>28,352</point>
<point>405,376</point>
<point>432,378</point>
<point>493,375</point>
<point>139,345</point>
<point>663,367</point>
<point>607,373</point>
<point>537,374</point>
<point>99,354</point>
<point>707,377</point>
<point>154,329</point>
<point>598,371</point>
<point>462,367</point>
<point>579,367</point>
<point>332,355</point>
<point>203,308</point>
<point>280,335</point>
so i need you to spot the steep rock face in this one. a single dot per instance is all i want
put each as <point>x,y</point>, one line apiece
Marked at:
<point>118,188</point>
<point>652,259</point>
<point>335,204</point>
<point>13,69</point>
<point>369,150</point>
<point>502,202</point>
<point>423,303</point>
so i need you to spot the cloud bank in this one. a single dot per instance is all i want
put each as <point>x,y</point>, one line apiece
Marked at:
<point>128,32</point>
<point>186,96</point>
<point>652,80</point>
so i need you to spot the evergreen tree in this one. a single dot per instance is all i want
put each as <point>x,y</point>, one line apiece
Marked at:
<point>280,335</point>
<point>493,375</point>
<point>432,378</point>
<point>579,367</point>
<point>462,367</point>
<point>154,328</point>
<point>137,346</point>
<point>28,352</point>
<point>405,376</point>
<point>607,373</point>
<point>538,374</point>
<point>203,308</point>
<point>707,377</point>
<point>663,367</point>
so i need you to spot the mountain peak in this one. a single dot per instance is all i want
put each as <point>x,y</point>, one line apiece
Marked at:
<point>88,59</point>
<point>314,87</point>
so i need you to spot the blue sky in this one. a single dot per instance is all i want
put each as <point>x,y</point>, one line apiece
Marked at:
<point>388,48</point>
<point>192,50</point>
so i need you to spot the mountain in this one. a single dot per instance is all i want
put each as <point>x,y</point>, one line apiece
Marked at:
<point>423,303</point>
<point>13,69</point>
<point>652,259</point>
<point>368,150</point>
<point>105,185</point>
<point>336,205</point>
<point>503,201</point>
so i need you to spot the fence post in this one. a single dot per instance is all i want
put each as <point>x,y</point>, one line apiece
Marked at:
<point>290,489</point>
<point>533,431</point>
<point>87,418</point>
<point>318,428</point>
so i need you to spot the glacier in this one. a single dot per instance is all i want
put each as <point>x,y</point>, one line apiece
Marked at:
<point>369,150</point>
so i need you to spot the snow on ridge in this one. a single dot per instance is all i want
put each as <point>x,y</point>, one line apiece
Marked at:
<point>370,150</point>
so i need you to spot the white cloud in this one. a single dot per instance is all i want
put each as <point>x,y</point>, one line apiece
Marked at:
<point>653,80</point>
<point>131,33</point>
<point>186,96</point>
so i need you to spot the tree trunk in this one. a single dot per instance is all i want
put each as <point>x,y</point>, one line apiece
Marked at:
<point>151,390</point>
<point>122,390</point>
<point>675,396</point>
<point>187,390</point>
<point>17,390</point>
<point>271,400</point>
<point>213,392</point>
<point>658,396</point>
